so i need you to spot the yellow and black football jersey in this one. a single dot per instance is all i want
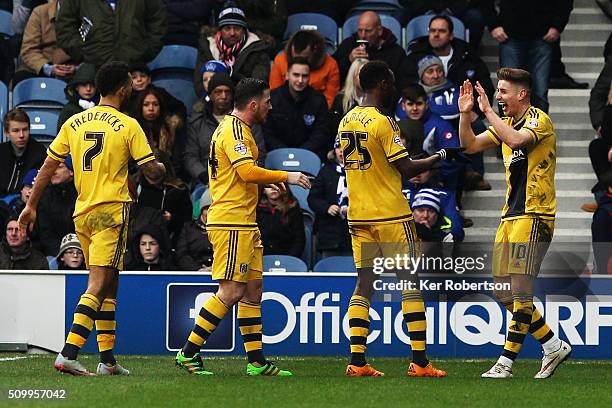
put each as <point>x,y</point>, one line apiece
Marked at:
<point>371,141</point>
<point>234,201</point>
<point>101,140</point>
<point>530,171</point>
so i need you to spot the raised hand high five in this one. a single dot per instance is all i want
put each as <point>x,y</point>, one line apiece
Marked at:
<point>483,99</point>
<point>466,97</point>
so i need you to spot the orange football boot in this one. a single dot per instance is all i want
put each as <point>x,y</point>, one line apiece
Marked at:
<point>365,371</point>
<point>414,370</point>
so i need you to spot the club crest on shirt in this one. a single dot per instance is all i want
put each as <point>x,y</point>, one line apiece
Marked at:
<point>398,141</point>
<point>532,123</point>
<point>244,268</point>
<point>309,119</point>
<point>240,148</point>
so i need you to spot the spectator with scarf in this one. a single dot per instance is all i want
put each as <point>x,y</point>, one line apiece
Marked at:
<point>241,50</point>
<point>328,198</point>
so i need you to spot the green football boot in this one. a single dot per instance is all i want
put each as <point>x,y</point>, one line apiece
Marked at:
<point>194,364</point>
<point>268,369</point>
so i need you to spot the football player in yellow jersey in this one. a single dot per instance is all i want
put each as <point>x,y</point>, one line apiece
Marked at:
<point>233,232</point>
<point>375,160</point>
<point>529,151</point>
<point>100,140</point>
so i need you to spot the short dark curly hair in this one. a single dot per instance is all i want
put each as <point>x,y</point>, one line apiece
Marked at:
<point>111,77</point>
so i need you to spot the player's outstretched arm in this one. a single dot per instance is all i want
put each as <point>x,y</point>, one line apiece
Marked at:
<point>469,141</point>
<point>515,139</point>
<point>154,171</point>
<point>410,168</point>
<point>27,218</point>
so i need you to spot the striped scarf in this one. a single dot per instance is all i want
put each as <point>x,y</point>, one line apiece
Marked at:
<point>229,54</point>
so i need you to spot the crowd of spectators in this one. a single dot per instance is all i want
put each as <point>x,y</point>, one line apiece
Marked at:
<point>313,87</point>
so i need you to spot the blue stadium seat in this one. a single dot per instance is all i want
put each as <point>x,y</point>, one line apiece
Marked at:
<point>3,106</point>
<point>6,23</point>
<point>308,254</point>
<point>350,26</point>
<point>390,7</point>
<point>52,263</point>
<point>283,263</point>
<point>180,89</point>
<point>419,27</point>
<point>40,93</point>
<point>293,159</point>
<point>43,124</point>
<point>335,264</point>
<point>301,194</point>
<point>174,61</point>
<point>312,21</point>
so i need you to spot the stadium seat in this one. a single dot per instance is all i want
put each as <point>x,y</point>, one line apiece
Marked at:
<point>312,21</point>
<point>42,93</point>
<point>180,89</point>
<point>301,194</point>
<point>3,106</point>
<point>43,124</point>
<point>294,159</point>
<point>52,263</point>
<point>174,61</point>
<point>283,263</point>
<point>307,255</point>
<point>419,27</point>
<point>335,264</point>
<point>350,26</point>
<point>6,23</point>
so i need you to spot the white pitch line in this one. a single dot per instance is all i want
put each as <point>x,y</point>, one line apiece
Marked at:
<point>12,358</point>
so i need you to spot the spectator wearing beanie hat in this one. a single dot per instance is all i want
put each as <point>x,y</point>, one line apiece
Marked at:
<point>241,50</point>
<point>208,70</point>
<point>205,118</point>
<point>193,248</point>
<point>431,224</point>
<point>70,255</point>
<point>16,205</point>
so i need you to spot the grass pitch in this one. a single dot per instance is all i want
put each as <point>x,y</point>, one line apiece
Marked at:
<point>317,382</point>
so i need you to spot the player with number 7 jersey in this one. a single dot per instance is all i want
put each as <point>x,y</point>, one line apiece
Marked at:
<point>100,140</point>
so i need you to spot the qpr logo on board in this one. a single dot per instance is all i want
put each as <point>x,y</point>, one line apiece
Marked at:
<point>240,148</point>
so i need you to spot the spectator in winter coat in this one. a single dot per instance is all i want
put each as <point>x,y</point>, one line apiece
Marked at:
<point>382,45</point>
<point>601,227</point>
<point>207,115</point>
<point>193,248</point>
<point>438,132</point>
<point>20,153</point>
<point>102,31</point>
<point>141,80</point>
<point>152,252</point>
<point>299,117</point>
<point>40,54</point>
<point>16,205</point>
<point>185,17</point>
<point>458,60</point>
<point>16,251</point>
<point>164,132</point>
<point>241,50</point>
<point>281,223</point>
<point>56,208</point>
<point>80,92</point>
<point>171,197</point>
<point>324,73</point>
<point>328,198</point>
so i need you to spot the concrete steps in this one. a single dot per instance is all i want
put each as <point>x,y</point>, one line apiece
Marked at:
<point>582,45</point>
